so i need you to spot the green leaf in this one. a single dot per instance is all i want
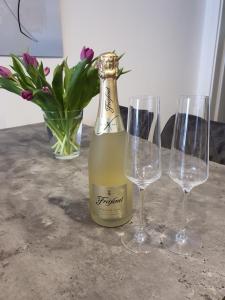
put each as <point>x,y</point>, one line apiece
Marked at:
<point>57,84</point>
<point>122,72</point>
<point>33,72</point>
<point>19,69</point>
<point>68,74</point>
<point>9,85</point>
<point>21,82</point>
<point>121,56</point>
<point>75,85</point>
<point>41,79</point>
<point>41,69</point>
<point>91,88</point>
<point>44,100</point>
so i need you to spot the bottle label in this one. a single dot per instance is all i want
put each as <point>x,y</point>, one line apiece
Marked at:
<point>110,202</point>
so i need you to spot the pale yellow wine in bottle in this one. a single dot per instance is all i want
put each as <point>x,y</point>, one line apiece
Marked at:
<point>110,200</point>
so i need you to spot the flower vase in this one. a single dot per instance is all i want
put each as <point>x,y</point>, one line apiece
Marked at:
<point>64,130</point>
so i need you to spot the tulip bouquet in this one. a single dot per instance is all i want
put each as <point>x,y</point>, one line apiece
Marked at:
<point>62,101</point>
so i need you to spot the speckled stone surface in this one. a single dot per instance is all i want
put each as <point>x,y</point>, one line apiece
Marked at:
<point>51,250</point>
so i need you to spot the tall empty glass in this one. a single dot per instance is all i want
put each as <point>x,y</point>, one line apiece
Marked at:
<point>189,160</point>
<point>142,161</point>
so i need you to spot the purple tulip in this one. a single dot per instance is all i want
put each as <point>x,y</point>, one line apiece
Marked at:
<point>86,53</point>
<point>46,71</point>
<point>27,95</point>
<point>5,72</point>
<point>46,90</point>
<point>29,60</point>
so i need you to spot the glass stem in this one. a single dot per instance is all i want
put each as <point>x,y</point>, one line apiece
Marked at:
<point>181,236</point>
<point>141,209</point>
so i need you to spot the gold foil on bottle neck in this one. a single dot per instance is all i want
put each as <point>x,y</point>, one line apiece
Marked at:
<point>108,65</point>
<point>109,119</point>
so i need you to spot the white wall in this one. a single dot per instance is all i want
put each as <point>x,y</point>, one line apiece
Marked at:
<point>162,40</point>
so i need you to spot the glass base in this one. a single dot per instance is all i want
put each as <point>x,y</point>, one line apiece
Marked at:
<point>138,240</point>
<point>67,157</point>
<point>185,242</point>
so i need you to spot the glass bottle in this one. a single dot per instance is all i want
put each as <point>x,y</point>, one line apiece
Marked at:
<point>110,200</point>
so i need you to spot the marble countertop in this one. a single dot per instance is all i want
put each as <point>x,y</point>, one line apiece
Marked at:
<point>51,250</point>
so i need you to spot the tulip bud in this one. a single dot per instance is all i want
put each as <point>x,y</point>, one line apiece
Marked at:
<point>30,60</point>
<point>86,53</point>
<point>27,95</point>
<point>46,71</point>
<point>46,90</point>
<point>5,72</point>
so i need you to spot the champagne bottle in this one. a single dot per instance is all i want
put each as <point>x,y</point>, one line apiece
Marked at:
<point>110,200</point>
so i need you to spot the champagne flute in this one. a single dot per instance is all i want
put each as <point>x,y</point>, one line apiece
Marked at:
<point>142,161</point>
<point>189,161</point>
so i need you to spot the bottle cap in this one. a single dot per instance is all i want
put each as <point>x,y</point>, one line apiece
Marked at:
<point>108,65</point>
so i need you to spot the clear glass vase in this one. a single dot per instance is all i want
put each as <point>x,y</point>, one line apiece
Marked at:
<point>64,131</point>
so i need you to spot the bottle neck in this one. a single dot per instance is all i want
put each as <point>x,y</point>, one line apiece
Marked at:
<point>108,119</point>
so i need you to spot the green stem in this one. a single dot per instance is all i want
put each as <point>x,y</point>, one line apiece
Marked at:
<point>65,132</point>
